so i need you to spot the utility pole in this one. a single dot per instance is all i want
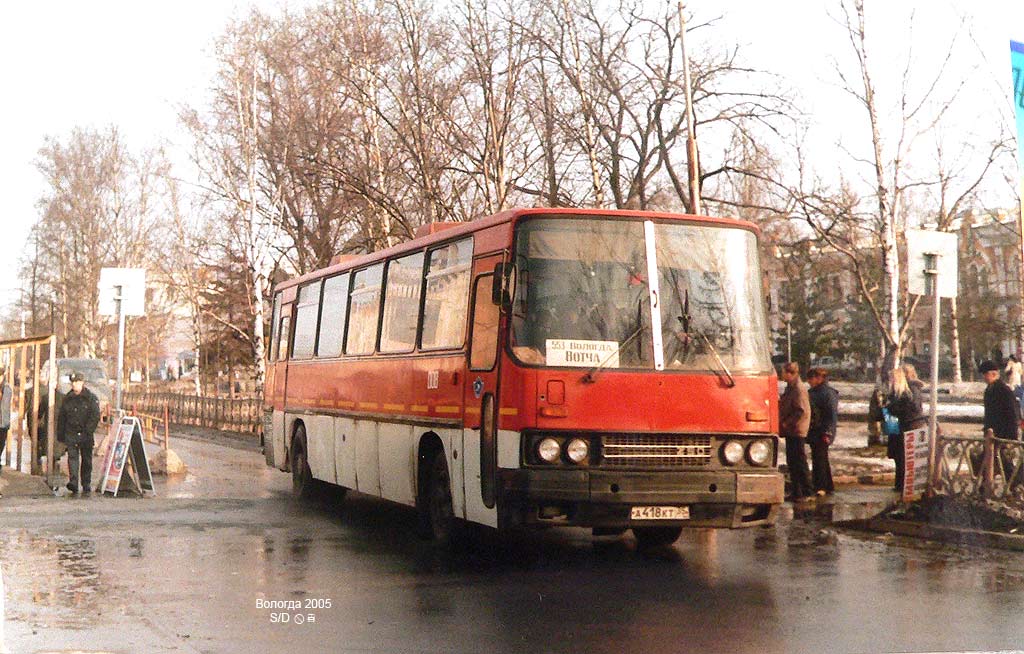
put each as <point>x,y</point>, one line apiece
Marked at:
<point>691,136</point>
<point>932,285</point>
<point>789,340</point>
<point>120,346</point>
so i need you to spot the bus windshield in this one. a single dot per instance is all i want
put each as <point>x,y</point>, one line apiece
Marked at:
<point>584,296</point>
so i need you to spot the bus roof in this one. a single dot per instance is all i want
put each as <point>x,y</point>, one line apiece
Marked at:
<point>359,261</point>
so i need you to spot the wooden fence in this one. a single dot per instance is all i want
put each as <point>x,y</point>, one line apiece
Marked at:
<point>237,415</point>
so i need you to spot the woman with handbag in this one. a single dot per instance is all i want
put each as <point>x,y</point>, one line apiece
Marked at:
<point>906,404</point>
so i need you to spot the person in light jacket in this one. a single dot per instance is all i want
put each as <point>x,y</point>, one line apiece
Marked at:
<point>5,414</point>
<point>794,420</point>
<point>1013,372</point>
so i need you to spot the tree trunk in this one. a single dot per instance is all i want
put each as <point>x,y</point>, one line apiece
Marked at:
<point>886,207</point>
<point>257,332</point>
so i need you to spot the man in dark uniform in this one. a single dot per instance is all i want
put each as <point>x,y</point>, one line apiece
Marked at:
<point>824,420</point>
<point>77,420</point>
<point>1002,411</point>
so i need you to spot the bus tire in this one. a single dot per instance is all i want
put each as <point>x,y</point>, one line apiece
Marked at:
<point>651,537</point>
<point>303,484</point>
<point>437,518</point>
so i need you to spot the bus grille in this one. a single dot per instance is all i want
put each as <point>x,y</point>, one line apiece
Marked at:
<point>655,451</point>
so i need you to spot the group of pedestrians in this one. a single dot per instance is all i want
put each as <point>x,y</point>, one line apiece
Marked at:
<point>77,418</point>
<point>811,416</point>
<point>808,417</point>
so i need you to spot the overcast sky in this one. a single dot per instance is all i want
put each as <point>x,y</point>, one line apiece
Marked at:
<point>131,63</point>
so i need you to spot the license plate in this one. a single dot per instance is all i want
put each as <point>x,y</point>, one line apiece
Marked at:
<point>659,513</point>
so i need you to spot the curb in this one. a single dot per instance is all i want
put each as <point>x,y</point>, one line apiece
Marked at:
<point>21,484</point>
<point>873,479</point>
<point>940,533</point>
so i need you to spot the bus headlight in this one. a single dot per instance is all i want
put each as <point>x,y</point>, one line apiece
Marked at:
<point>577,450</point>
<point>732,452</point>
<point>548,450</point>
<point>759,452</point>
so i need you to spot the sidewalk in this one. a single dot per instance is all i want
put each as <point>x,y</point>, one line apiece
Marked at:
<point>20,484</point>
<point>853,462</point>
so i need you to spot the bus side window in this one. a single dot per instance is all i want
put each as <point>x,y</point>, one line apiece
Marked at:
<point>275,317</point>
<point>332,316</point>
<point>306,312</point>
<point>447,296</point>
<point>364,310</point>
<point>402,304</point>
<point>282,342</point>
<point>483,349</point>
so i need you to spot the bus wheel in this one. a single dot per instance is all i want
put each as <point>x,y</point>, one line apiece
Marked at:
<point>440,516</point>
<point>650,537</point>
<point>302,478</point>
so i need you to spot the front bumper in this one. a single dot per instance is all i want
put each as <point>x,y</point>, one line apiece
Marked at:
<point>602,498</point>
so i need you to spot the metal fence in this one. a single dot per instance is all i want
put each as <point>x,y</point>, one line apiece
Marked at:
<point>226,414</point>
<point>981,469</point>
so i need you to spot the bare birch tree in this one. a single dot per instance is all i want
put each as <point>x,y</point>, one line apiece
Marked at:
<point>228,155</point>
<point>98,211</point>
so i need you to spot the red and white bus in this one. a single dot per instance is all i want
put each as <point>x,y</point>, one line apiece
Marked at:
<point>597,368</point>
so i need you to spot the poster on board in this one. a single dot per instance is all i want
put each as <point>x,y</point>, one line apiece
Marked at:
<point>128,446</point>
<point>915,461</point>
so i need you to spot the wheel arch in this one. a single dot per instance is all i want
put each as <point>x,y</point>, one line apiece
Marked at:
<point>296,423</point>
<point>429,446</point>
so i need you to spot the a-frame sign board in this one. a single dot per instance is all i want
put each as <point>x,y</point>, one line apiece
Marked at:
<point>127,447</point>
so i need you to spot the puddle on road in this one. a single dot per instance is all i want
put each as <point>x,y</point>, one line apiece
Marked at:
<point>61,578</point>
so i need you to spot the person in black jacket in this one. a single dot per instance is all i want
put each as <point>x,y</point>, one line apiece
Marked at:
<point>906,402</point>
<point>1002,411</point>
<point>824,420</point>
<point>79,415</point>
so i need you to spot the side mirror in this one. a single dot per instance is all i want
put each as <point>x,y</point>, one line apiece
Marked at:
<point>502,285</point>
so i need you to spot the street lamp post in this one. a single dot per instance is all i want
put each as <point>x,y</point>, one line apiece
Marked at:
<point>691,137</point>
<point>789,341</point>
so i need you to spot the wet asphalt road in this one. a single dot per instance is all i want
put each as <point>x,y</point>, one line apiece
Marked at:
<point>192,570</point>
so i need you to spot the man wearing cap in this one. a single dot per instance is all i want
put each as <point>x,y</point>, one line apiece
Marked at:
<point>77,420</point>
<point>1002,411</point>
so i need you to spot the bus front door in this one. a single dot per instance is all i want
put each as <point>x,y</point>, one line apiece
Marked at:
<point>279,441</point>
<point>480,437</point>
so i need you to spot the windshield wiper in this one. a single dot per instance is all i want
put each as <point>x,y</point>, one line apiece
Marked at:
<point>685,321</point>
<point>714,351</point>
<point>590,377</point>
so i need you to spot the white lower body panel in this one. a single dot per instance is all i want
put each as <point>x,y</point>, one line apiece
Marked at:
<point>379,458</point>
